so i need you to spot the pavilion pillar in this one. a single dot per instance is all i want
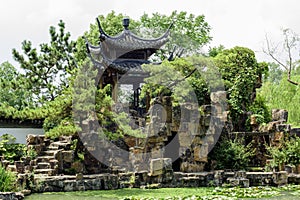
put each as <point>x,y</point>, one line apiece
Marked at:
<point>101,83</point>
<point>136,94</point>
<point>115,88</point>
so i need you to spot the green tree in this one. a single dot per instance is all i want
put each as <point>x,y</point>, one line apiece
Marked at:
<point>242,74</point>
<point>48,68</point>
<point>189,32</point>
<point>283,95</point>
<point>275,73</point>
<point>214,51</point>
<point>13,88</point>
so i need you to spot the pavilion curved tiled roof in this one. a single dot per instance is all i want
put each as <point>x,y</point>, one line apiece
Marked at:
<point>130,42</point>
<point>112,51</point>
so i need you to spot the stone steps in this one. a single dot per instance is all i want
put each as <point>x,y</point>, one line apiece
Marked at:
<point>49,172</point>
<point>53,148</point>
<point>43,165</point>
<point>50,153</point>
<point>12,168</point>
<point>43,159</point>
<point>59,145</point>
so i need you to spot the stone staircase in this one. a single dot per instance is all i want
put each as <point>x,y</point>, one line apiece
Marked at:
<point>47,162</point>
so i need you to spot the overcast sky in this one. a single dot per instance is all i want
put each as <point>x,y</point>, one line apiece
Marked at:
<point>234,22</point>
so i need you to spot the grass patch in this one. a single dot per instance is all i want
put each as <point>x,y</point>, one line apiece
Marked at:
<point>172,194</point>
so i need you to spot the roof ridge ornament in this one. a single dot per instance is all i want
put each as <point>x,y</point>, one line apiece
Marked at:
<point>126,22</point>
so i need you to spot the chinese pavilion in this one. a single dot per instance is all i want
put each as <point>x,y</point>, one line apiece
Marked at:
<point>120,58</point>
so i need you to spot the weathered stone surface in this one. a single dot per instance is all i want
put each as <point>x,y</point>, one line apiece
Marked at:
<point>280,178</point>
<point>294,179</point>
<point>192,167</point>
<point>218,97</point>
<point>158,152</point>
<point>295,131</point>
<point>279,115</point>
<point>205,120</point>
<point>240,174</point>
<point>156,167</point>
<point>159,165</point>
<point>278,136</point>
<point>200,154</point>
<point>167,104</point>
<point>238,182</point>
<point>11,196</point>
<point>68,156</point>
<point>20,166</point>
<point>130,141</point>
<point>283,127</point>
<point>167,179</point>
<point>31,139</point>
<point>185,139</point>
<point>79,176</point>
<point>78,167</point>
<point>197,141</point>
<point>260,178</point>
<point>194,128</point>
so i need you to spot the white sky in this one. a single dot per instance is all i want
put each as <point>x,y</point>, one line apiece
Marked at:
<point>233,22</point>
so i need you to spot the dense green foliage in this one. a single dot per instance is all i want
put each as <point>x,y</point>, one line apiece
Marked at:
<point>232,154</point>
<point>279,93</point>
<point>242,74</point>
<point>179,78</point>
<point>89,101</point>
<point>13,88</point>
<point>10,150</point>
<point>260,111</point>
<point>235,70</point>
<point>7,180</point>
<point>288,153</point>
<point>189,32</point>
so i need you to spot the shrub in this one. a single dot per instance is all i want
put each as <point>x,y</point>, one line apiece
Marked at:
<point>232,154</point>
<point>293,151</point>
<point>7,180</point>
<point>287,153</point>
<point>11,150</point>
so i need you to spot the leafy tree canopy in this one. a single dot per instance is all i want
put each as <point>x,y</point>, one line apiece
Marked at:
<point>281,94</point>
<point>189,32</point>
<point>13,88</point>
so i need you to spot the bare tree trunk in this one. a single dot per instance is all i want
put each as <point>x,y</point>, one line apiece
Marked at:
<point>289,44</point>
